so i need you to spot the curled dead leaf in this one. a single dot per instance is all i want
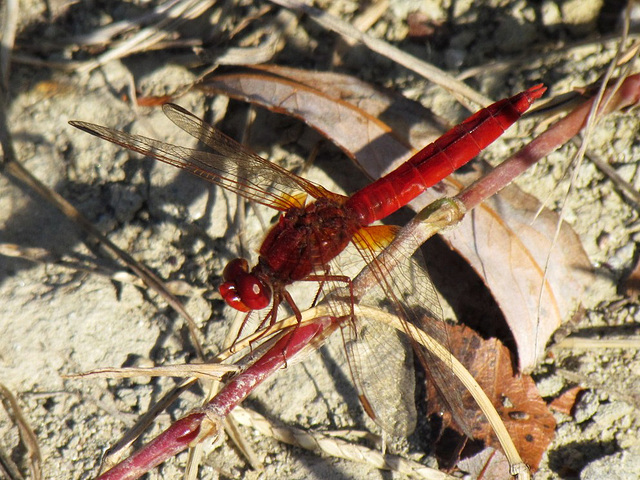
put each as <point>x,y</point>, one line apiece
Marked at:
<point>516,398</point>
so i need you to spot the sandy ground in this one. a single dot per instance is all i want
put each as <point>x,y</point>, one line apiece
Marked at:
<point>58,321</point>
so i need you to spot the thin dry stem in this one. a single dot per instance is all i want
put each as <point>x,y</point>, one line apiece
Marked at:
<point>459,89</point>
<point>597,111</point>
<point>232,430</point>
<point>627,189</point>
<point>28,438</point>
<point>206,371</point>
<point>8,468</point>
<point>178,13</point>
<point>46,257</point>
<point>598,343</point>
<point>112,30</point>
<point>335,447</point>
<point>533,57</point>
<point>8,31</point>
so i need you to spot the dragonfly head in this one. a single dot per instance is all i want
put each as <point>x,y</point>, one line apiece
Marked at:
<point>243,290</point>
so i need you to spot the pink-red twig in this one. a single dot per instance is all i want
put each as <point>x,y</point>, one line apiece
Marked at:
<point>558,134</point>
<point>169,443</point>
<point>207,421</point>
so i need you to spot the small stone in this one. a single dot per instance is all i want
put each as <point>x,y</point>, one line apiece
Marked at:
<point>586,407</point>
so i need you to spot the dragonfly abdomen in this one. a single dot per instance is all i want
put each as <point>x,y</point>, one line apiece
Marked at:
<point>440,158</point>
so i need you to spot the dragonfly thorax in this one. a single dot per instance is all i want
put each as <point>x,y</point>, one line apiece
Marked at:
<point>302,242</point>
<point>243,290</point>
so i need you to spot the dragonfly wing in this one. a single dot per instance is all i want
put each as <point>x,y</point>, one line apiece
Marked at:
<point>404,289</point>
<point>381,365</point>
<point>254,167</point>
<point>380,358</point>
<point>232,166</point>
<point>215,168</point>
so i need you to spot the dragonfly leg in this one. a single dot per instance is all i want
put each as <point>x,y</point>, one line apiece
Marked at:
<point>327,269</point>
<point>232,348</point>
<point>296,311</point>
<point>269,319</point>
<point>335,278</point>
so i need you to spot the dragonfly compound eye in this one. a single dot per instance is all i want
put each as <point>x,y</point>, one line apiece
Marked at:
<point>243,290</point>
<point>235,269</point>
<point>230,294</point>
<point>254,293</point>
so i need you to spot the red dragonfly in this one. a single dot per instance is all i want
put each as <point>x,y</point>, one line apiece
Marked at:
<point>310,234</point>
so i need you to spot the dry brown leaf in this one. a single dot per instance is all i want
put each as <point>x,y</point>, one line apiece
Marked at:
<point>509,243</point>
<point>525,414</point>
<point>498,240</point>
<point>567,400</point>
<point>153,101</point>
<point>365,122</point>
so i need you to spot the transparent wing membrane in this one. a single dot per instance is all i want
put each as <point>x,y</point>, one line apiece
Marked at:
<point>381,355</point>
<point>231,166</point>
